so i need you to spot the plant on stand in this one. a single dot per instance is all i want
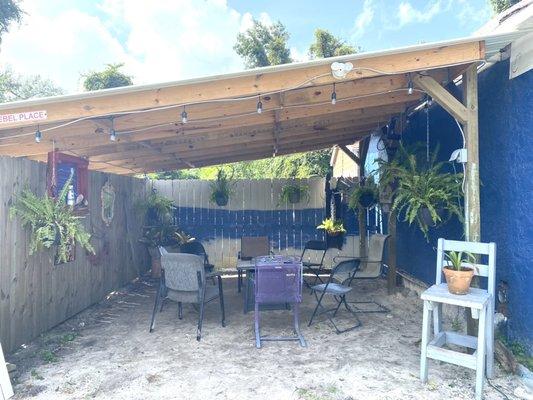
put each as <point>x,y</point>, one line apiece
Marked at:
<point>335,231</point>
<point>154,237</point>
<point>459,271</point>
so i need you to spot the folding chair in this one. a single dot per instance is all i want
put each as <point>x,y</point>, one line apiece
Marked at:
<point>320,248</point>
<point>278,279</point>
<point>370,268</point>
<point>481,304</point>
<point>338,292</point>
<point>251,246</point>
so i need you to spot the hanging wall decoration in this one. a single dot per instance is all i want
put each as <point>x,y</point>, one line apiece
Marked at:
<point>107,197</point>
<point>60,167</point>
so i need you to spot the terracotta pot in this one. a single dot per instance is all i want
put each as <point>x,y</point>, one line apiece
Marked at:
<point>458,281</point>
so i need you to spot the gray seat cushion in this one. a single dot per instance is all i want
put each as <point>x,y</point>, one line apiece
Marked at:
<point>182,296</point>
<point>333,288</point>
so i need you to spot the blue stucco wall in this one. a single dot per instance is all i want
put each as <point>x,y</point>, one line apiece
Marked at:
<point>506,171</point>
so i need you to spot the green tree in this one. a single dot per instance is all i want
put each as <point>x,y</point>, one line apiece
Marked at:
<point>326,45</point>
<point>263,45</point>
<point>501,5</point>
<point>9,12</point>
<point>110,77</point>
<point>15,87</point>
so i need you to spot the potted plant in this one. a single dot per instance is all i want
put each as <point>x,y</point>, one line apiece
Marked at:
<point>155,236</point>
<point>458,276</point>
<point>294,193</point>
<point>52,223</point>
<point>365,196</point>
<point>422,193</point>
<point>335,231</point>
<point>220,189</point>
<point>155,209</point>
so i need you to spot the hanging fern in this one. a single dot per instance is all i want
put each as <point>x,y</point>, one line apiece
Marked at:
<point>51,221</point>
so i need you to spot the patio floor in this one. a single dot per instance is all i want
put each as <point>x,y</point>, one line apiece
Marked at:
<point>106,352</point>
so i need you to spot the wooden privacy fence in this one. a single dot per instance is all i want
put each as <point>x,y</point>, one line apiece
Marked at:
<point>254,209</point>
<point>35,295</point>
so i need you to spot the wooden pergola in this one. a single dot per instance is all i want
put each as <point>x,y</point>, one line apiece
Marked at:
<point>223,124</point>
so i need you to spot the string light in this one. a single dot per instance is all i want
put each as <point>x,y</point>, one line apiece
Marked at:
<point>334,95</point>
<point>259,106</point>
<point>410,86</point>
<point>112,132</point>
<point>184,118</point>
<point>38,135</point>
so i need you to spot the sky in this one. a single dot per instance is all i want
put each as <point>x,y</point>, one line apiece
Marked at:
<point>167,40</point>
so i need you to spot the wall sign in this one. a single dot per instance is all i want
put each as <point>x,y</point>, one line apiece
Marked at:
<point>107,196</point>
<point>28,116</point>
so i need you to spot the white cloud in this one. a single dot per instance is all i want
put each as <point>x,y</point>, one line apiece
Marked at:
<point>408,14</point>
<point>364,19</point>
<point>158,40</point>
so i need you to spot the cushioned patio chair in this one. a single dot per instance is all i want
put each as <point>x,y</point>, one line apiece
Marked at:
<point>196,247</point>
<point>183,280</point>
<point>337,292</point>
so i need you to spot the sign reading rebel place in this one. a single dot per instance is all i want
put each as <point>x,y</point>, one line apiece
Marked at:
<point>27,116</point>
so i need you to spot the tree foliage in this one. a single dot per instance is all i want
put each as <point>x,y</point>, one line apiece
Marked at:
<point>10,12</point>
<point>326,45</point>
<point>15,87</point>
<point>501,5</point>
<point>110,77</point>
<point>263,45</point>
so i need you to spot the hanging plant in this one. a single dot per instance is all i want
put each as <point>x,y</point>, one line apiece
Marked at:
<point>423,193</point>
<point>155,209</point>
<point>293,194</point>
<point>364,196</point>
<point>333,227</point>
<point>221,189</point>
<point>52,223</point>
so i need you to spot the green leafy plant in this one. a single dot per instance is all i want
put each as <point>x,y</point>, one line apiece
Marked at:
<point>458,258</point>
<point>161,235</point>
<point>421,189</point>
<point>155,209</point>
<point>294,193</point>
<point>51,221</point>
<point>332,227</point>
<point>364,196</point>
<point>221,189</point>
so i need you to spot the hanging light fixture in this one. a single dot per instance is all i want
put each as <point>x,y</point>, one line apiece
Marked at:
<point>259,106</point>
<point>184,118</point>
<point>38,135</point>
<point>334,95</point>
<point>410,86</point>
<point>112,132</point>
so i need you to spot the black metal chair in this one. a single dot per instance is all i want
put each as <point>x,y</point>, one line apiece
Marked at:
<point>317,267</point>
<point>183,280</point>
<point>338,292</point>
<point>195,247</point>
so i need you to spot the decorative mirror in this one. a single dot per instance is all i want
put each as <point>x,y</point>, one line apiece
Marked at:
<point>107,195</point>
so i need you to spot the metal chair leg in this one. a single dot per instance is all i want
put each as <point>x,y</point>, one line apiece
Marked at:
<point>256,326</point>
<point>296,307</point>
<point>200,320</point>
<point>221,299</point>
<point>317,306</point>
<point>157,299</point>
<point>239,281</point>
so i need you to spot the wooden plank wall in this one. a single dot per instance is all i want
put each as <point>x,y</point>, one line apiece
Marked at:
<point>253,210</point>
<point>35,295</point>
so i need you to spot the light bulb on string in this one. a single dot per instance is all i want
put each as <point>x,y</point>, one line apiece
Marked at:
<point>410,86</point>
<point>38,135</point>
<point>334,96</point>
<point>259,106</point>
<point>184,117</point>
<point>112,132</point>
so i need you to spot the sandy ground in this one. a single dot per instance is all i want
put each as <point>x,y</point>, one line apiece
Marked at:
<point>106,352</point>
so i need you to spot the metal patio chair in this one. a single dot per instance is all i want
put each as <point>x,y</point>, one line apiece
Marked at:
<point>371,268</point>
<point>251,246</point>
<point>183,280</point>
<point>196,247</point>
<point>319,248</point>
<point>481,305</point>
<point>338,292</point>
<point>278,279</point>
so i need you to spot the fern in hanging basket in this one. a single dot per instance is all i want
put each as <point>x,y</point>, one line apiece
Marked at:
<point>293,194</point>
<point>51,221</point>
<point>364,196</point>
